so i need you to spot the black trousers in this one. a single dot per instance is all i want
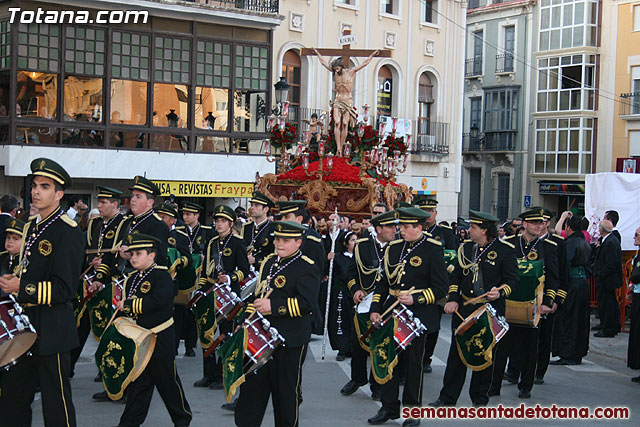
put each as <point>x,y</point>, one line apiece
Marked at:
<point>279,378</point>
<point>608,311</point>
<point>412,394</point>
<point>84,329</point>
<point>431,340</point>
<point>185,323</point>
<point>161,373</point>
<point>19,384</point>
<point>454,377</point>
<point>572,322</point>
<point>523,341</point>
<point>359,365</point>
<point>545,338</point>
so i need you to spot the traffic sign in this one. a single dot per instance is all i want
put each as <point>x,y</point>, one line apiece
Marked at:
<point>527,200</point>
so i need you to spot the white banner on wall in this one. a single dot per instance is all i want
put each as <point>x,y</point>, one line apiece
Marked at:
<point>614,191</point>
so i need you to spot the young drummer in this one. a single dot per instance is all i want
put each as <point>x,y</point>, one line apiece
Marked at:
<point>10,258</point>
<point>148,298</point>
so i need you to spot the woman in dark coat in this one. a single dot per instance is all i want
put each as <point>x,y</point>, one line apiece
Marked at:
<point>633,353</point>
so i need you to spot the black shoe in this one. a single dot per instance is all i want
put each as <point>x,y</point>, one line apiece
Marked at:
<point>382,417</point>
<point>427,369</point>
<point>564,362</point>
<point>538,380</point>
<point>350,388</point>
<point>98,378</point>
<point>524,394</point>
<point>636,379</point>
<point>494,393</point>
<point>231,406</point>
<point>439,403</point>
<point>101,397</point>
<point>411,423</point>
<point>340,357</point>
<point>203,382</point>
<point>189,352</point>
<point>510,377</point>
<point>376,395</point>
<point>604,334</point>
<point>596,328</point>
<point>216,385</point>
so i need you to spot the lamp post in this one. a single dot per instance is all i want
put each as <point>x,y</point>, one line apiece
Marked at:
<point>279,116</point>
<point>474,134</point>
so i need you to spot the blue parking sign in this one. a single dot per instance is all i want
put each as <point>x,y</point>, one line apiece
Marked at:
<point>527,200</point>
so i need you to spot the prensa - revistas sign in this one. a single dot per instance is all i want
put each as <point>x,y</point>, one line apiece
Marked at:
<point>205,189</point>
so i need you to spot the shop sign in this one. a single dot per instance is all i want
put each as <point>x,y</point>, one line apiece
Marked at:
<point>205,189</point>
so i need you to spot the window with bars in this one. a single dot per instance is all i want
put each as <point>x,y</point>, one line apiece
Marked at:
<point>172,57</point>
<point>213,64</point>
<point>39,47</point>
<point>5,45</point>
<point>130,55</point>
<point>251,67</point>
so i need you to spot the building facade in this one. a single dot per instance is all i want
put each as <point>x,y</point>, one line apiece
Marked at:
<point>497,83</point>
<point>181,96</point>
<point>420,83</point>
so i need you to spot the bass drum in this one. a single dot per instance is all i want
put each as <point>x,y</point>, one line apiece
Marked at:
<point>17,335</point>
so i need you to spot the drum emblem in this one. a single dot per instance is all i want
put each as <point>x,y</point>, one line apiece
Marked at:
<point>280,281</point>
<point>415,261</point>
<point>172,241</point>
<point>421,299</point>
<point>30,289</point>
<point>532,256</point>
<point>492,255</point>
<point>227,252</point>
<point>110,234</point>
<point>45,247</point>
<point>145,287</point>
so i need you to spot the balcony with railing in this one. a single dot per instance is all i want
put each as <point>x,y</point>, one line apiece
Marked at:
<point>505,63</point>
<point>499,141</point>
<point>431,138</point>
<point>252,6</point>
<point>629,106</point>
<point>473,67</point>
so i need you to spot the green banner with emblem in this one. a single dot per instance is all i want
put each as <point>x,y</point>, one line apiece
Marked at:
<point>362,324</point>
<point>205,314</point>
<point>450,258</point>
<point>531,276</point>
<point>231,353</point>
<point>187,277</point>
<point>78,310</point>
<point>100,310</point>
<point>382,348</point>
<point>475,344</point>
<point>115,358</point>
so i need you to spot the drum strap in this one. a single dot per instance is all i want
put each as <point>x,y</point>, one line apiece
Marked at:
<point>161,327</point>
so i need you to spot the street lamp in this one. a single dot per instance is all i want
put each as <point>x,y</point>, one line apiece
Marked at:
<point>281,91</point>
<point>474,131</point>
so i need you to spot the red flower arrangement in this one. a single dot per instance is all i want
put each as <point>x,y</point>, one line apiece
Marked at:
<point>395,144</point>
<point>286,137</point>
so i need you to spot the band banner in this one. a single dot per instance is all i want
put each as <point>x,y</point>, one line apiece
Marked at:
<point>115,358</point>
<point>100,310</point>
<point>450,258</point>
<point>205,315</point>
<point>475,345</point>
<point>231,352</point>
<point>362,324</point>
<point>78,310</point>
<point>382,348</point>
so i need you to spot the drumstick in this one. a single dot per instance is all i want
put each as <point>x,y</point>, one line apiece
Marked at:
<point>373,326</point>
<point>476,299</point>
<point>461,318</point>
<point>110,321</point>
<point>392,306</point>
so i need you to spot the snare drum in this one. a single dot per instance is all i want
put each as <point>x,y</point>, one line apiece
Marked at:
<point>262,340</point>
<point>227,302</point>
<point>248,285</point>
<point>17,335</point>
<point>523,305</point>
<point>408,327</point>
<point>477,335</point>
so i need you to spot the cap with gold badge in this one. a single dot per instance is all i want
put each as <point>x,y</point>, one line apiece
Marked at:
<point>141,241</point>
<point>386,218</point>
<point>50,169</point>
<point>262,199</point>
<point>145,185</point>
<point>427,203</point>
<point>108,193</point>
<point>288,229</point>
<point>226,212</point>
<point>532,215</point>
<point>291,206</point>
<point>412,215</point>
<point>167,208</point>
<point>14,226</point>
<point>191,207</point>
<point>477,217</point>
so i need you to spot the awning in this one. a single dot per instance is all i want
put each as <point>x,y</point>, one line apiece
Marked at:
<point>567,188</point>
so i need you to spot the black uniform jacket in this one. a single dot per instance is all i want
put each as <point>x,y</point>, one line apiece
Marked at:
<point>151,224</point>
<point>498,265</point>
<point>105,234</point>
<point>366,265</point>
<point>295,295</point>
<point>149,298</point>
<point>8,264</point>
<point>259,240</point>
<point>444,235</point>
<point>419,264</point>
<point>50,278</point>
<point>541,249</point>
<point>198,237</point>
<point>313,248</point>
<point>233,253</point>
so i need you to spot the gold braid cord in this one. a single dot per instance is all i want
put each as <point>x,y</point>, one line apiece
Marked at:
<point>465,263</point>
<point>392,276</point>
<point>364,270</point>
<point>317,194</point>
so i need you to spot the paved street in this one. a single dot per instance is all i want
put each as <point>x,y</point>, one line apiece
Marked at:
<point>602,380</point>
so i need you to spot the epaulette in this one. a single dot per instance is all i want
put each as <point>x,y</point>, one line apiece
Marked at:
<point>550,241</point>
<point>3,252</point>
<point>446,226</point>
<point>309,260</point>
<point>160,267</point>
<point>69,221</point>
<point>426,233</point>
<point>434,241</point>
<point>364,239</point>
<point>314,238</point>
<point>157,216</point>
<point>558,236</point>
<point>466,241</point>
<point>217,236</point>
<point>508,244</point>
<point>181,232</point>
<point>32,217</point>
<point>238,237</point>
<point>510,237</point>
<point>181,227</point>
<point>271,255</point>
<point>244,224</point>
<point>206,227</point>
<point>393,242</point>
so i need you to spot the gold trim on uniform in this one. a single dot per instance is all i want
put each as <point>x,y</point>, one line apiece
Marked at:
<point>145,287</point>
<point>45,247</point>
<point>415,261</point>
<point>350,283</point>
<point>226,252</point>
<point>110,234</point>
<point>30,289</point>
<point>492,255</point>
<point>375,298</point>
<point>506,290</point>
<point>280,281</point>
<point>532,256</point>
<point>172,241</point>
<point>453,288</point>
<point>282,310</point>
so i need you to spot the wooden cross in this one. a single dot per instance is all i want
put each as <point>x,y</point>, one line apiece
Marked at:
<point>346,52</point>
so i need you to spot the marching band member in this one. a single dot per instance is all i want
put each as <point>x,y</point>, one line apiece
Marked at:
<point>291,277</point>
<point>148,299</point>
<point>417,261</point>
<point>10,258</point>
<point>365,268</point>
<point>257,233</point>
<point>484,264</point>
<point>50,262</point>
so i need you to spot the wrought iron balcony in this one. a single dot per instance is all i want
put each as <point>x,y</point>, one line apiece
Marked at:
<point>431,138</point>
<point>260,6</point>
<point>473,67</point>
<point>505,63</point>
<point>491,141</point>
<point>630,105</point>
